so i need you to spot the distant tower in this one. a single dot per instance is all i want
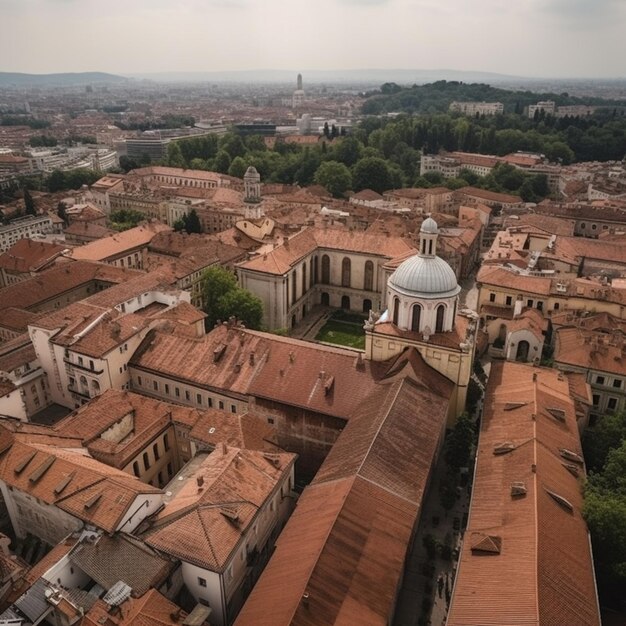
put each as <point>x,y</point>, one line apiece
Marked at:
<point>297,99</point>
<point>252,193</point>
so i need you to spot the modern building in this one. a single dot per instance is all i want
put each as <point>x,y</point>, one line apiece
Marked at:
<point>22,227</point>
<point>547,106</point>
<point>477,108</point>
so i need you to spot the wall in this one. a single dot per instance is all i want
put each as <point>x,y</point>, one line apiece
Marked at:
<point>211,594</point>
<point>160,470</point>
<point>143,506</point>
<point>29,515</point>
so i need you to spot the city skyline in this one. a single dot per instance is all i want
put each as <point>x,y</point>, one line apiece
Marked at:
<point>534,39</point>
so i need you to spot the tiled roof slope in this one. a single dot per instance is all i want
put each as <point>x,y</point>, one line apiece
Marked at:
<point>26,255</point>
<point>192,526</point>
<point>319,378</point>
<point>282,258</point>
<point>85,488</point>
<point>526,558</point>
<point>341,556</point>
<point>152,609</point>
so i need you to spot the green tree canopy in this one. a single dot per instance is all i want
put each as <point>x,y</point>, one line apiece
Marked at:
<point>458,446</point>
<point>29,203</point>
<point>175,156</point>
<point>237,167</point>
<point>372,173</point>
<point>222,162</point>
<point>334,176</point>
<point>608,433</point>
<point>223,298</point>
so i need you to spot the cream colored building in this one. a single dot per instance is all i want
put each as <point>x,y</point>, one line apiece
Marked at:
<point>422,300</point>
<point>329,266</point>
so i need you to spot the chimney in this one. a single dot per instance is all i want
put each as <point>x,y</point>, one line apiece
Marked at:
<point>251,358</point>
<point>200,480</point>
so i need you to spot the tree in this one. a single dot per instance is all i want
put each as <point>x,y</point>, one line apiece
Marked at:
<point>222,299</point>
<point>605,513</point>
<point>62,213</point>
<point>233,145</point>
<point>607,434</point>
<point>237,167</point>
<point>222,162</point>
<point>372,173</point>
<point>243,305</point>
<point>175,156</point>
<point>334,176</point>
<point>348,151</point>
<point>29,203</point>
<point>458,446</point>
<point>192,222</point>
<point>127,163</point>
<point>56,181</point>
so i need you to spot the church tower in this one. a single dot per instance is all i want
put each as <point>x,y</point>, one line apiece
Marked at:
<point>252,193</point>
<point>422,303</point>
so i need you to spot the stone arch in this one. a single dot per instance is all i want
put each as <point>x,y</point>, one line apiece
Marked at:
<point>325,269</point>
<point>346,272</point>
<point>368,276</point>
<point>440,318</point>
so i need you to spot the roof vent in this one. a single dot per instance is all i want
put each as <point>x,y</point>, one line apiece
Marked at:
<point>42,469</point>
<point>488,544</point>
<point>566,504</point>
<point>558,414</point>
<point>572,469</point>
<point>518,489</point>
<point>274,459</point>
<point>503,448</point>
<point>571,456</point>
<point>230,513</point>
<point>511,406</point>
<point>218,353</point>
<point>21,466</point>
<point>64,483</point>
<point>93,500</point>
<point>329,383</point>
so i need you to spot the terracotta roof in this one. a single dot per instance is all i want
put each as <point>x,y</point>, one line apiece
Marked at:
<point>340,559</point>
<point>501,277</point>
<point>29,256</point>
<point>118,244</point>
<point>152,609</point>
<point>281,259</point>
<point>193,527</point>
<point>109,559</point>
<point>491,196</point>
<point>16,353</point>
<point>94,493</point>
<point>526,558</point>
<point>320,378</point>
<point>596,350</point>
<point>88,230</point>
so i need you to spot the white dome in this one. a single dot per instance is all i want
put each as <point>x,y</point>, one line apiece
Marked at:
<point>429,226</point>
<point>425,277</point>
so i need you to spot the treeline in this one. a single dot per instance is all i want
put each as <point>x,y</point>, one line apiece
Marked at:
<point>436,97</point>
<point>166,121</point>
<point>604,446</point>
<point>20,120</point>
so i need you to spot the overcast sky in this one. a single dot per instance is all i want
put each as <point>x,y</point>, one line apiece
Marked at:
<point>551,38</point>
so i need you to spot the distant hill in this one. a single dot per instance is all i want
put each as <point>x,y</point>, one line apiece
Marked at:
<point>360,76</point>
<point>436,98</point>
<point>15,79</point>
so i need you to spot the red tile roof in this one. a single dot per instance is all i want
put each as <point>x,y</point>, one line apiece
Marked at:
<point>526,557</point>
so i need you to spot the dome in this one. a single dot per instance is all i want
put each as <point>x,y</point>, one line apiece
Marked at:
<point>429,226</point>
<point>251,171</point>
<point>425,276</point>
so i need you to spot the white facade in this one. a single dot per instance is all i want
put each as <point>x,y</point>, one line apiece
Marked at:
<point>24,227</point>
<point>477,108</point>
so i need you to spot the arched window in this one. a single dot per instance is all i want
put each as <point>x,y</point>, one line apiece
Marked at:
<point>346,267</point>
<point>311,272</point>
<point>368,276</point>
<point>294,287</point>
<point>315,272</point>
<point>416,316</point>
<point>396,310</point>
<point>441,311</point>
<point>325,270</point>
<point>304,283</point>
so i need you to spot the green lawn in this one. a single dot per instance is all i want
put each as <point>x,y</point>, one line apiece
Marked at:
<point>343,334</point>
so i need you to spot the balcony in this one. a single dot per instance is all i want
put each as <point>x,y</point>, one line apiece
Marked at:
<point>71,366</point>
<point>83,392</point>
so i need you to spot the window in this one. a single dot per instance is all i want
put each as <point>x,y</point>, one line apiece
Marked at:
<point>539,306</point>
<point>293,287</point>
<point>155,451</point>
<point>177,392</point>
<point>233,408</point>
<point>167,389</point>
<point>441,311</point>
<point>80,360</point>
<point>209,402</point>
<point>611,405</point>
<point>325,269</point>
<point>346,271</point>
<point>91,367</point>
<point>415,317</point>
<point>529,303</point>
<point>557,306</point>
<point>187,395</point>
<point>600,380</point>
<point>270,420</point>
<point>396,310</point>
<point>617,383</point>
<point>201,581</point>
<point>221,404</point>
<point>509,300</point>
<point>166,442</point>
<point>368,276</point>
<point>139,380</point>
<point>136,468</point>
<point>198,399</point>
<point>146,461</point>
<point>170,470</point>
<point>492,297</point>
<point>304,283</point>
<point>596,399</point>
